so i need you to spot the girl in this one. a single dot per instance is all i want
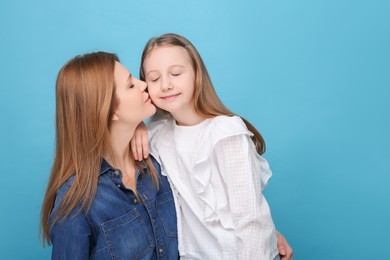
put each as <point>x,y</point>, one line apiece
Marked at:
<point>211,156</point>
<point>100,203</point>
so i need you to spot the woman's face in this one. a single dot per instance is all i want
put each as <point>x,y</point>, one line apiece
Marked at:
<point>133,104</point>
<point>170,78</point>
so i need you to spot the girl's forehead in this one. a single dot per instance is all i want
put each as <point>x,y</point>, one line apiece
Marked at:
<point>167,54</point>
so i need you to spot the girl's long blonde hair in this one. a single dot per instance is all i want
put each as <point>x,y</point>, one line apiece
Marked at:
<point>205,100</point>
<point>85,99</point>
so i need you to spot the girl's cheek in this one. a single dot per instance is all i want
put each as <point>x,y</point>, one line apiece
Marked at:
<point>152,97</point>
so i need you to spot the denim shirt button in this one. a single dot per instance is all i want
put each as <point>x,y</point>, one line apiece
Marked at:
<point>135,201</point>
<point>161,250</point>
<point>118,185</point>
<point>116,172</point>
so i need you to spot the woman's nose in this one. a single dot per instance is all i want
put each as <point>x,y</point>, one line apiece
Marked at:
<point>143,85</point>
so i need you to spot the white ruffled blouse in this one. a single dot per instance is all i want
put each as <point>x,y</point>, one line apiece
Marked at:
<point>217,177</point>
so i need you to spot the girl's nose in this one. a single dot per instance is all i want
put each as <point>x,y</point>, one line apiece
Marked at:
<point>166,85</point>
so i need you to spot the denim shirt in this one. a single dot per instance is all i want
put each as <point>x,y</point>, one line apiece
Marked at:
<point>118,226</point>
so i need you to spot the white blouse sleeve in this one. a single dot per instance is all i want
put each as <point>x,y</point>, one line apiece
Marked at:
<point>241,168</point>
<point>157,126</point>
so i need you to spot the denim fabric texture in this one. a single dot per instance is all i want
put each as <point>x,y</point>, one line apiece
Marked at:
<point>118,226</point>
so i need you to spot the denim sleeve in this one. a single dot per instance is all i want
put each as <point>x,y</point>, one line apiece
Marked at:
<point>70,237</point>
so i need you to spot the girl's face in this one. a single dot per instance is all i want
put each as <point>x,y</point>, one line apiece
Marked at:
<point>132,102</point>
<point>170,78</point>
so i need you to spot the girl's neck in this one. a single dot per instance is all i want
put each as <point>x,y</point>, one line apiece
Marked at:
<point>187,119</point>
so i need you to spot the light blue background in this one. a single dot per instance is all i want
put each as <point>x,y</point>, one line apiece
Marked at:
<point>313,76</point>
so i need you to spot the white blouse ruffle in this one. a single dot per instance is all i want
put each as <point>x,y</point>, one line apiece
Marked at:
<point>210,133</point>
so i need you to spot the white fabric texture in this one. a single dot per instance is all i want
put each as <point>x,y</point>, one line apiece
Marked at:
<point>217,178</point>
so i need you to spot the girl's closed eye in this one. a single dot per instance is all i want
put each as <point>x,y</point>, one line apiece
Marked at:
<point>153,77</point>
<point>176,71</point>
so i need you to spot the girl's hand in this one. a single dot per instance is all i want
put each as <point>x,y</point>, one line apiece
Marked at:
<point>285,251</point>
<point>139,142</point>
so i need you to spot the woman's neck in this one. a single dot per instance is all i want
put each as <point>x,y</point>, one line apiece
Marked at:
<point>120,140</point>
<point>122,159</point>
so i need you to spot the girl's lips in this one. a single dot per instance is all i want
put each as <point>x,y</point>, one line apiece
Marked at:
<point>170,96</point>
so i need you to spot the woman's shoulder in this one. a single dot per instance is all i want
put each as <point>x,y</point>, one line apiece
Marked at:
<point>65,187</point>
<point>62,190</point>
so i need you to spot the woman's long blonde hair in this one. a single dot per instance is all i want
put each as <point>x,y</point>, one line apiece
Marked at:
<point>85,99</point>
<point>206,101</point>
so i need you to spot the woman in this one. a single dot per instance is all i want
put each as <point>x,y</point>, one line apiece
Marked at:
<point>100,203</point>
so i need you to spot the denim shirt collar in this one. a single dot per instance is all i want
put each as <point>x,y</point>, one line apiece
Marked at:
<point>105,166</point>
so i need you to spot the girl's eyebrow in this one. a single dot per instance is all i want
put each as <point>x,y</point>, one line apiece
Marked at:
<point>151,72</point>
<point>177,65</point>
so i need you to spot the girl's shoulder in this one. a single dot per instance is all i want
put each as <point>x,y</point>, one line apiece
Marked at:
<point>221,127</point>
<point>159,124</point>
<point>222,121</point>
